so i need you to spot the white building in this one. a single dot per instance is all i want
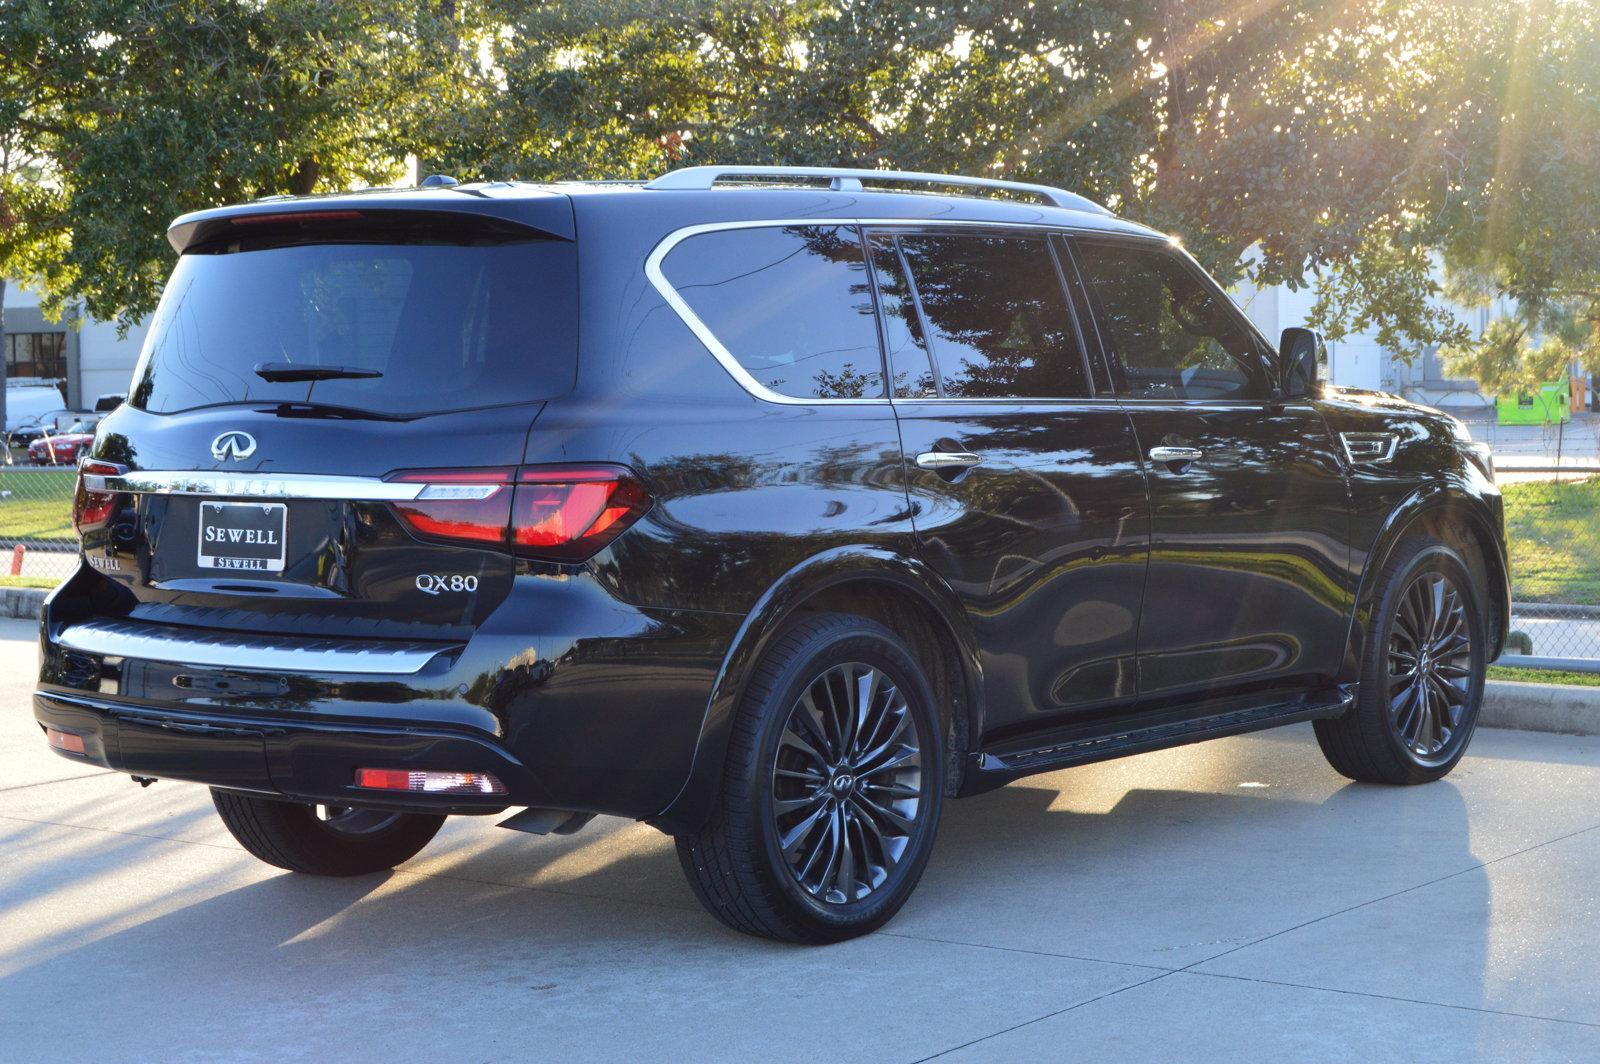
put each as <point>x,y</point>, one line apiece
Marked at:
<point>1357,361</point>
<point>92,359</point>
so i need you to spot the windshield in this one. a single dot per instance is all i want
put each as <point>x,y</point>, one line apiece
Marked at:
<point>443,327</point>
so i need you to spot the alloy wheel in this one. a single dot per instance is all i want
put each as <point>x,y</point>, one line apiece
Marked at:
<point>847,783</point>
<point>347,821</point>
<point>1430,667</point>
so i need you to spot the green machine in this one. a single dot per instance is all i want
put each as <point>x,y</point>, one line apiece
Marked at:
<point>1550,405</point>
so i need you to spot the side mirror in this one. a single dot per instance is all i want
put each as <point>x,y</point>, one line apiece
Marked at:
<point>1301,356</point>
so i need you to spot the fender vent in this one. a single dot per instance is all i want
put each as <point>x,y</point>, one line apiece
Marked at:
<point>1368,448</point>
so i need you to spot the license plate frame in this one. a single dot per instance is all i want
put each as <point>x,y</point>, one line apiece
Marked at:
<point>249,537</point>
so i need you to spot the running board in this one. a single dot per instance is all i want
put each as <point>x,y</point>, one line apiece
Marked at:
<point>999,765</point>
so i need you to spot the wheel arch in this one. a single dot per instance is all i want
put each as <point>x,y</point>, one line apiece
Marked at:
<point>896,590</point>
<point>1472,523</point>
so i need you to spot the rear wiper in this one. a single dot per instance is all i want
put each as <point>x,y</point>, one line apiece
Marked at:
<point>289,372</point>
<point>327,410</point>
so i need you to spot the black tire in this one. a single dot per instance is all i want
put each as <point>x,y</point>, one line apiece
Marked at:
<point>1384,737</point>
<point>348,843</point>
<point>736,864</point>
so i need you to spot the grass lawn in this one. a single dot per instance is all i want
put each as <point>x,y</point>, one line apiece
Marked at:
<point>39,506</point>
<point>1554,534</point>
<point>28,581</point>
<point>1581,679</point>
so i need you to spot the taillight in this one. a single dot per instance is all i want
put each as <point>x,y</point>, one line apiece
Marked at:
<point>562,513</point>
<point>91,509</point>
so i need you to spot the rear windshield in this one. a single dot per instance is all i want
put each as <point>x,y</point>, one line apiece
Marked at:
<point>448,327</point>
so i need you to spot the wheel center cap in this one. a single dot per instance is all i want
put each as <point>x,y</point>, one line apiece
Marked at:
<point>842,784</point>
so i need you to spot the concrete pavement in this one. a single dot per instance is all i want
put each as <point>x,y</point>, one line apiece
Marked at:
<point>1232,901</point>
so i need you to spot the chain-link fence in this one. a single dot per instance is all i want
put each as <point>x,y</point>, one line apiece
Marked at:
<point>1552,524</point>
<point>37,544</point>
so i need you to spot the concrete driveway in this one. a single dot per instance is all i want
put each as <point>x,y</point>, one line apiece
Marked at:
<point>1234,901</point>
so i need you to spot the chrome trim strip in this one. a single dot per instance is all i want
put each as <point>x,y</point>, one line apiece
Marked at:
<point>177,646</point>
<point>255,485</point>
<point>848,179</point>
<point>1369,448</point>
<point>652,270</point>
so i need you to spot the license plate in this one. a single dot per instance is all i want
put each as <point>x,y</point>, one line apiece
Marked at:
<point>243,536</point>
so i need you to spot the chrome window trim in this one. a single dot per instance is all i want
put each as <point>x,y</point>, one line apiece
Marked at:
<point>652,270</point>
<point>255,485</point>
<point>177,646</point>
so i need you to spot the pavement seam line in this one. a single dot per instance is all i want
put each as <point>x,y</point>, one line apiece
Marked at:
<point>65,779</point>
<point>1048,1015</point>
<point>1394,894</point>
<point>1390,997</point>
<point>1028,952</point>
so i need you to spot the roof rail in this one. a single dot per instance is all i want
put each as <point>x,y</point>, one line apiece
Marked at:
<point>842,179</point>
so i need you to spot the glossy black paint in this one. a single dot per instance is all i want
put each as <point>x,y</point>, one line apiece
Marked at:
<point>1062,585</point>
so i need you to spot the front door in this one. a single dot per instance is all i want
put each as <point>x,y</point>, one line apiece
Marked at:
<point>1249,509</point>
<point>1027,491</point>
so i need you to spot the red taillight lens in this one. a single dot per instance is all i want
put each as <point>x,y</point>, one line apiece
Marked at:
<point>554,513</point>
<point>91,509</point>
<point>568,513</point>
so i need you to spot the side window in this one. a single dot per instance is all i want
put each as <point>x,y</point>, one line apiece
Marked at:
<point>996,314</point>
<point>792,304</point>
<point>1167,334</point>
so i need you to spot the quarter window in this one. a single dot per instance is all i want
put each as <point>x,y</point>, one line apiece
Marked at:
<point>792,305</point>
<point>1167,333</point>
<point>996,316</point>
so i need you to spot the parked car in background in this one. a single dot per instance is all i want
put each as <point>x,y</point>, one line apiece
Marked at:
<point>26,433</point>
<point>862,496</point>
<point>64,448</point>
<point>31,402</point>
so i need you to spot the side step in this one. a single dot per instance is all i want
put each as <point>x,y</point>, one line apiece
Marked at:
<point>1001,764</point>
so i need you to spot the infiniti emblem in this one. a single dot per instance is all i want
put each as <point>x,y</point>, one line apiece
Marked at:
<point>236,445</point>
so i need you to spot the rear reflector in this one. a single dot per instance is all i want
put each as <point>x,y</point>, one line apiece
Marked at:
<point>561,513</point>
<point>72,744</point>
<point>399,779</point>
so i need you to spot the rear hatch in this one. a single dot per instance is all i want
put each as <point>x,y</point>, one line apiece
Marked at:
<point>326,420</point>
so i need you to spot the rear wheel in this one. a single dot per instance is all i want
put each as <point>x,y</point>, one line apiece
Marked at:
<point>324,840</point>
<point>1422,673</point>
<point>832,792</point>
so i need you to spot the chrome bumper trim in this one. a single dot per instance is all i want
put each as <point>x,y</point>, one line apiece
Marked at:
<point>179,646</point>
<point>254,485</point>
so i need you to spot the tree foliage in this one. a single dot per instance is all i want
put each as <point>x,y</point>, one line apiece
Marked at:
<point>1354,144</point>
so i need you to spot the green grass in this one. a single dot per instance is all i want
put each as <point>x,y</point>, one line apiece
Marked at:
<point>39,506</point>
<point>1554,535</point>
<point>28,581</point>
<point>1581,679</point>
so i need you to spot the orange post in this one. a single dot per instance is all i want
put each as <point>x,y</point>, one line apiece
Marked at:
<point>16,559</point>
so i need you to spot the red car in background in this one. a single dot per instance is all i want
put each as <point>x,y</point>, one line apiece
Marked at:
<point>59,450</point>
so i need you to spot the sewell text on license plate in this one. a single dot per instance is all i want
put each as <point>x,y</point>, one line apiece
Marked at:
<point>243,536</point>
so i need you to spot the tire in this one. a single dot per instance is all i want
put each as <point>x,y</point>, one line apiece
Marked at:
<point>349,842</point>
<point>1385,737</point>
<point>772,786</point>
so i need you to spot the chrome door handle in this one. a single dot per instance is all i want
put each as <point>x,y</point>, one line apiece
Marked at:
<point>1174,454</point>
<point>948,460</point>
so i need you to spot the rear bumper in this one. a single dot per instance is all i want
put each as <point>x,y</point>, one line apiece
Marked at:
<point>300,760</point>
<point>570,698</point>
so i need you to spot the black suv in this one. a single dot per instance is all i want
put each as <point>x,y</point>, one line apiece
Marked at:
<point>771,507</point>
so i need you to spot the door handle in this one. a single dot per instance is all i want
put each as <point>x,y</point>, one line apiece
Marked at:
<point>948,460</point>
<point>1174,454</point>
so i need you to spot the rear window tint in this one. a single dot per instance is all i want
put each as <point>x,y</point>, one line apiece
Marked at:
<point>448,327</point>
<point>792,305</point>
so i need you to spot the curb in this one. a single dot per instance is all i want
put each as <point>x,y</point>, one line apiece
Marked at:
<point>1542,707</point>
<point>23,602</point>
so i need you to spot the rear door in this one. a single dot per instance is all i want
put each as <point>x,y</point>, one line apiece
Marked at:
<point>311,395</point>
<point>1249,509</point>
<point>1026,488</point>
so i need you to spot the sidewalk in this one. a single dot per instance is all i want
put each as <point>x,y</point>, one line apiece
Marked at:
<point>1233,901</point>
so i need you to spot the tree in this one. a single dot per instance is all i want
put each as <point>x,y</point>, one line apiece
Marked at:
<point>135,111</point>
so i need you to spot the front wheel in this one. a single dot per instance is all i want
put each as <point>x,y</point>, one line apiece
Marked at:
<point>324,840</point>
<point>1422,673</point>
<point>832,792</point>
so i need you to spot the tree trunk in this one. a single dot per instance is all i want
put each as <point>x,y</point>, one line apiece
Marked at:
<point>5,448</point>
